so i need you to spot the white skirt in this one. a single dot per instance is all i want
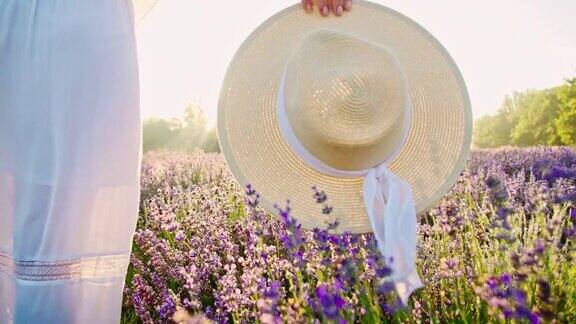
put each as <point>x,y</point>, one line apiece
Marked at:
<point>69,158</point>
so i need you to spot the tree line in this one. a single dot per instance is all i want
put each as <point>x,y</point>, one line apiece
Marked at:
<point>529,118</point>
<point>187,134</point>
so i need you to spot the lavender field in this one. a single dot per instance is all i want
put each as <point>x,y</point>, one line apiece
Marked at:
<point>500,246</point>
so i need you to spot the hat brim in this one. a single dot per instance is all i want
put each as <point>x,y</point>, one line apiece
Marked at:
<point>431,159</point>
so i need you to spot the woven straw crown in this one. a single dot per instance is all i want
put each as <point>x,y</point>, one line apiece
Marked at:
<point>346,99</point>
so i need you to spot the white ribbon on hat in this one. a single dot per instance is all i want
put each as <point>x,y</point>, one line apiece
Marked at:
<point>388,201</point>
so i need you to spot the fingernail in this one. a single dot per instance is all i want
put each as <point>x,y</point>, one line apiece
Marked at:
<point>339,10</point>
<point>325,11</point>
<point>308,8</point>
<point>348,5</point>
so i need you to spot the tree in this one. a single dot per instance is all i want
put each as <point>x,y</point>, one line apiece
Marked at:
<point>566,120</point>
<point>159,133</point>
<point>493,131</point>
<point>194,117</point>
<point>193,134</point>
<point>211,144</point>
<point>186,135</point>
<point>533,117</point>
<point>537,112</point>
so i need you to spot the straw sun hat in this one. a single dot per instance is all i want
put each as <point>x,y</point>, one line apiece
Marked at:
<point>313,101</point>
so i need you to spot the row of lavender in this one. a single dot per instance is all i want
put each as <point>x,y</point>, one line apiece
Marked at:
<point>499,246</point>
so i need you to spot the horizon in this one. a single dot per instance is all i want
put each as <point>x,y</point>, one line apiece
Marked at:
<point>183,56</point>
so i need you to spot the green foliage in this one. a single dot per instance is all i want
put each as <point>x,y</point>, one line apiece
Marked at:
<point>159,133</point>
<point>492,131</point>
<point>533,117</point>
<point>186,135</point>
<point>536,119</point>
<point>566,121</point>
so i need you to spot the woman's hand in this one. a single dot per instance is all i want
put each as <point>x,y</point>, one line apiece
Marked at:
<point>325,6</point>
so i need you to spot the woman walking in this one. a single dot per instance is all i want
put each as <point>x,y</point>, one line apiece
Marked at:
<point>69,157</point>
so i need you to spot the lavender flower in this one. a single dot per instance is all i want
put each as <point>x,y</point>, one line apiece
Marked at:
<point>497,247</point>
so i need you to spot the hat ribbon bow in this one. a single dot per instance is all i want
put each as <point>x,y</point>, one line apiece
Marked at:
<point>390,208</point>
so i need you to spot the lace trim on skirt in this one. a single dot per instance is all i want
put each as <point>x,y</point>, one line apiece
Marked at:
<point>100,267</point>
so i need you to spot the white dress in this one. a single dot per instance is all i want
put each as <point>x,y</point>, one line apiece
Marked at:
<point>69,158</point>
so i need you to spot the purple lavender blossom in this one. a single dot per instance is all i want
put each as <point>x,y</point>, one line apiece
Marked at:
<point>497,246</point>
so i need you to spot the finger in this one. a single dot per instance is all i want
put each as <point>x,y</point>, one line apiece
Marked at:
<point>338,7</point>
<point>323,7</point>
<point>347,4</point>
<point>307,5</point>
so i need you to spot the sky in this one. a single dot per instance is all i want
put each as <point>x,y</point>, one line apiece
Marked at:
<point>184,46</point>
